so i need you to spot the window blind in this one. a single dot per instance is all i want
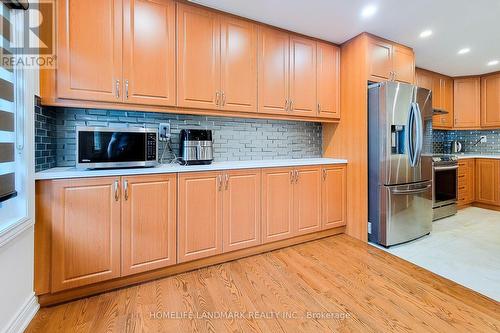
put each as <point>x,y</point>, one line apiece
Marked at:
<point>7,113</point>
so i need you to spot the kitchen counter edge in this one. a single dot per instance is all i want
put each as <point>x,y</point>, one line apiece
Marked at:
<point>72,172</point>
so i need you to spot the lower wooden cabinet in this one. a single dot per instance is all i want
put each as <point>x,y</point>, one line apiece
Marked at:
<point>149,218</point>
<point>333,197</point>
<point>85,231</point>
<point>307,200</point>
<point>488,181</point>
<point>466,180</point>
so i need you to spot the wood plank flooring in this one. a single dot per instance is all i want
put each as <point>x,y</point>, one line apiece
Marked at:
<point>333,284</point>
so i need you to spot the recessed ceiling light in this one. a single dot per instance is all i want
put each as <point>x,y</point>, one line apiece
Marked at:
<point>464,50</point>
<point>493,62</point>
<point>368,11</point>
<point>425,33</point>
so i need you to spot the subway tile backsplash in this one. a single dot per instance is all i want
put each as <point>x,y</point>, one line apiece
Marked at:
<point>468,138</point>
<point>234,138</point>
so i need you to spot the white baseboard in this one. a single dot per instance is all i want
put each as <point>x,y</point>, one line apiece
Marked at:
<point>24,315</point>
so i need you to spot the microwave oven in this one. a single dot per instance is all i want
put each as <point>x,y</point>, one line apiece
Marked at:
<point>102,147</point>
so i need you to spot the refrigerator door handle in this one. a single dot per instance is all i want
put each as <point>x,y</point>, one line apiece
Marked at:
<point>410,147</point>
<point>420,133</point>
<point>411,191</point>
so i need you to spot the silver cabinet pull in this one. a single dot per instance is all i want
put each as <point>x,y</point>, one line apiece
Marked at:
<point>319,108</point>
<point>125,189</point>
<point>117,88</point>
<point>115,189</point>
<point>219,181</point>
<point>223,101</point>
<point>292,173</point>
<point>324,174</point>
<point>286,105</point>
<point>217,98</point>
<point>296,176</point>
<point>291,105</point>
<point>126,89</point>
<point>226,179</point>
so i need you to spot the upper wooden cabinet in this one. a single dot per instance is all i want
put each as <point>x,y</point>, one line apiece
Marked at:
<point>467,103</point>
<point>89,50</point>
<point>389,61</point>
<point>149,219</point>
<point>328,80</point>
<point>198,57</point>
<point>149,52</point>
<point>274,59</point>
<point>85,232</point>
<point>424,79</point>
<point>490,100</point>
<point>302,76</point>
<point>216,61</point>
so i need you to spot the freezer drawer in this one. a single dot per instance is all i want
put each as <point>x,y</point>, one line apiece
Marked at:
<point>406,212</point>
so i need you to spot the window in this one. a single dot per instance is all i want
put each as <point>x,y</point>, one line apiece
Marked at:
<point>16,179</point>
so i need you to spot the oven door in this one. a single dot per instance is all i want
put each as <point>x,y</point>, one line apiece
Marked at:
<point>445,185</point>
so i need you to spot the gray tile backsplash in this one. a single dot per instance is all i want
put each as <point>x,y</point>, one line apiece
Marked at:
<point>442,139</point>
<point>234,138</point>
<point>45,138</point>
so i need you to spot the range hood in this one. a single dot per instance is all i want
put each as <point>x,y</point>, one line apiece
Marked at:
<point>436,112</point>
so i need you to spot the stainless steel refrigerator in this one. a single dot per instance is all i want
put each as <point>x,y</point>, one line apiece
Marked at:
<point>399,162</point>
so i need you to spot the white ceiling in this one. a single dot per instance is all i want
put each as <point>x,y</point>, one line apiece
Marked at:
<point>455,24</point>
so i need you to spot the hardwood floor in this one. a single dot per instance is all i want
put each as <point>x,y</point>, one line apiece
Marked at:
<point>360,288</point>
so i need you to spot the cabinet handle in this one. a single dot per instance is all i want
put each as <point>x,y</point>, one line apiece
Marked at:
<point>223,102</point>
<point>319,108</point>
<point>117,88</point>
<point>226,179</point>
<point>286,105</point>
<point>292,173</point>
<point>217,98</point>
<point>219,180</point>
<point>296,176</point>
<point>324,174</point>
<point>291,105</point>
<point>116,187</point>
<point>125,189</point>
<point>126,89</point>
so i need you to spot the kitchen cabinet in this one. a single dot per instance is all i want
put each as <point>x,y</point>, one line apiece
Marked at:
<point>307,200</point>
<point>328,80</point>
<point>490,100</point>
<point>488,181</point>
<point>333,197</point>
<point>442,99</point>
<point>277,204</point>
<point>199,215</point>
<point>198,57</point>
<point>85,231</point>
<point>466,180</point>
<point>216,60</point>
<point>241,209</point>
<point>388,61</point>
<point>302,76</point>
<point>424,79</point>
<point>89,50</point>
<point>274,59</point>
<point>149,52</point>
<point>149,218</point>
<point>467,108</point>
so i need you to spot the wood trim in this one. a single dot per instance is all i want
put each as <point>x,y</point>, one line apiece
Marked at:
<point>43,236</point>
<point>64,296</point>
<point>484,206</point>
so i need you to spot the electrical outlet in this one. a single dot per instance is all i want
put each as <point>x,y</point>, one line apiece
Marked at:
<point>164,132</point>
<point>483,138</point>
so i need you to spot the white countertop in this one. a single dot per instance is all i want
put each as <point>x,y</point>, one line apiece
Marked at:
<point>477,155</point>
<point>72,172</point>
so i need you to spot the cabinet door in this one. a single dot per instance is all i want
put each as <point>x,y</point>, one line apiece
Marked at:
<point>333,197</point>
<point>303,76</point>
<point>487,181</point>
<point>379,60</point>
<point>490,101</point>
<point>467,109</point>
<point>273,70</point>
<point>307,200</point>
<point>443,99</point>
<point>448,101</point>
<point>241,209</point>
<point>424,80</point>
<point>198,57</point>
<point>403,64</point>
<point>149,52</point>
<point>200,215</point>
<point>277,204</point>
<point>149,216</point>
<point>85,232</point>
<point>238,64</point>
<point>89,55</point>
<point>328,80</point>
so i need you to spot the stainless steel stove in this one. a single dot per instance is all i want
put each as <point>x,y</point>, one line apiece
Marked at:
<point>445,186</point>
